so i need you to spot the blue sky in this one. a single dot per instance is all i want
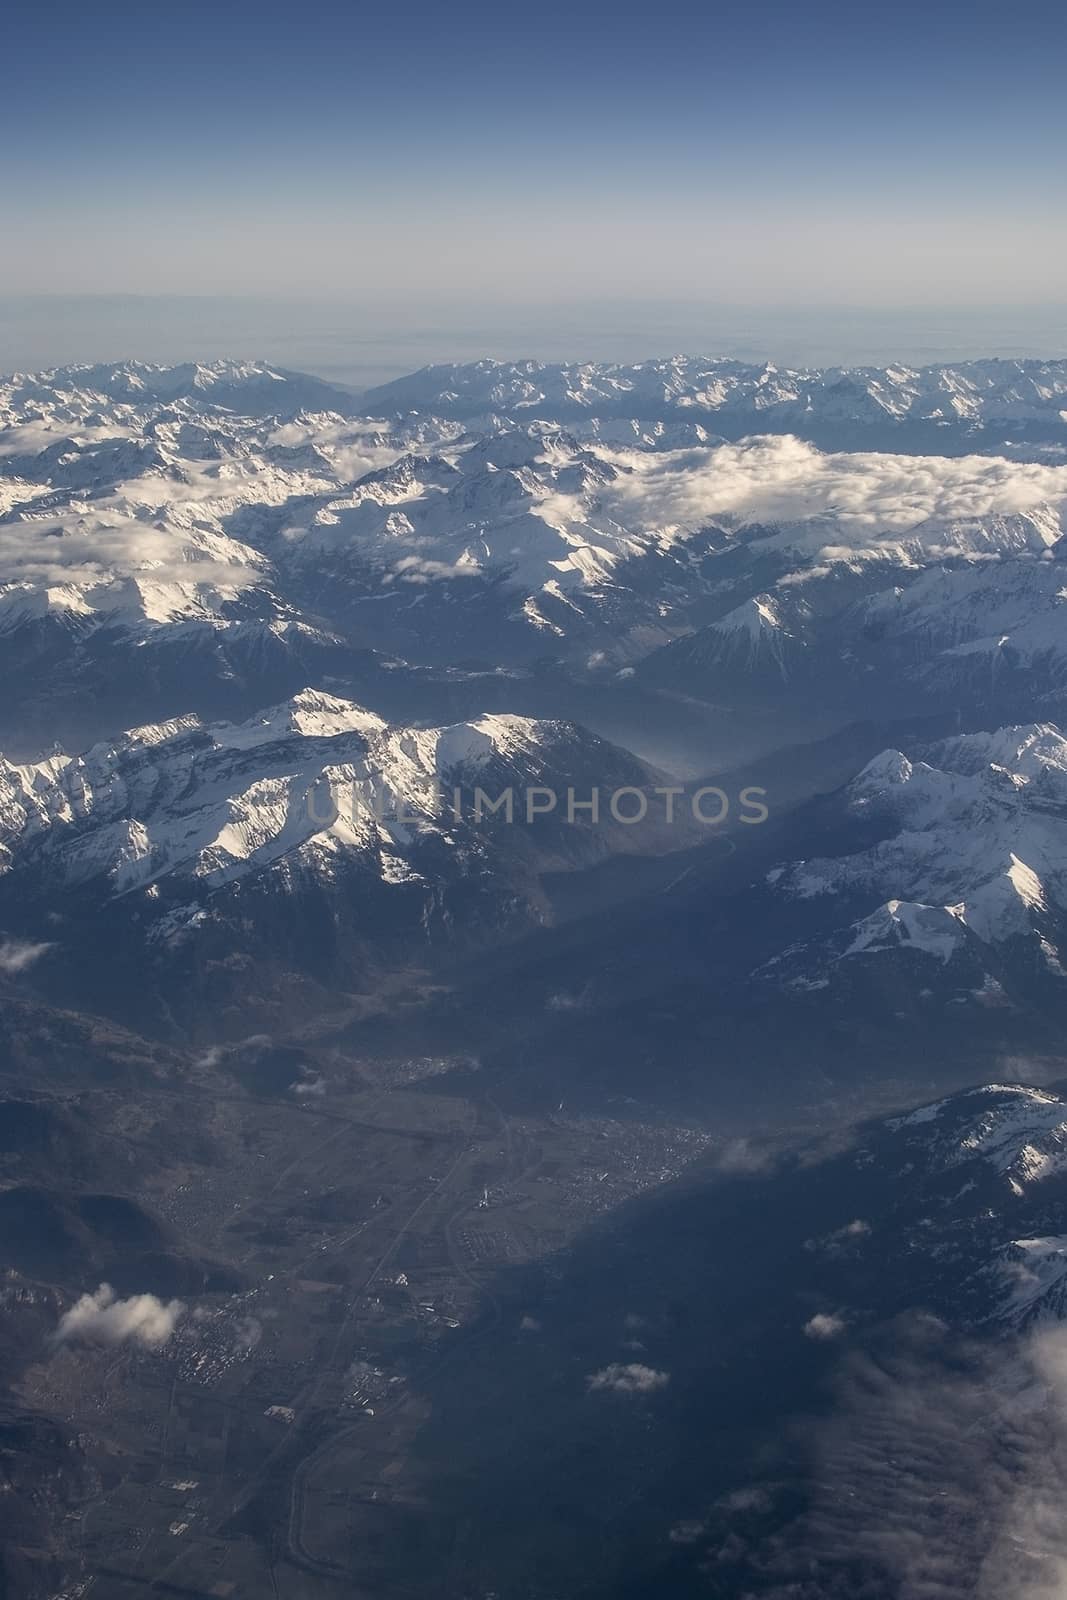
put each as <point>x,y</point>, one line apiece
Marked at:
<point>772,154</point>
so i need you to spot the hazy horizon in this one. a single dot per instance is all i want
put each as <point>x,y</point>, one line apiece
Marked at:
<point>359,347</point>
<point>906,159</point>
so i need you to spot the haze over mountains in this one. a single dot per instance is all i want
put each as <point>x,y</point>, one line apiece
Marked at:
<point>329,1093</point>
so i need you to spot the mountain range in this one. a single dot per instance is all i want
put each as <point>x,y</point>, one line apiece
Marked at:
<point>1013,399</point>
<point>384,1104</point>
<point>168,547</point>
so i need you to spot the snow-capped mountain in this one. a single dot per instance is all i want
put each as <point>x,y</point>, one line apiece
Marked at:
<point>180,548</point>
<point>230,514</point>
<point>177,830</point>
<point>250,388</point>
<point>987,1175</point>
<point>1019,1132</point>
<point>943,611</point>
<point>314,780</point>
<point>990,629</point>
<point>957,859</point>
<point>735,398</point>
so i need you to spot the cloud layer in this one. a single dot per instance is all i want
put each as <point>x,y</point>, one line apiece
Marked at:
<point>942,1473</point>
<point>782,479</point>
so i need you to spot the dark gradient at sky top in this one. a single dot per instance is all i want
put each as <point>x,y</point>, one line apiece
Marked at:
<point>767,153</point>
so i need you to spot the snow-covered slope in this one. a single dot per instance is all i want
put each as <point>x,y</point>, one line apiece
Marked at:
<point>315,779</point>
<point>252,388</point>
<point>313,837</point>
<point>1029,1281</point>
<point>145,499</point>
<point>962,853</point>
<point>971,628</point>
<point>132,498</point>
<point>735,396</point>
<point>964,1200</point>
<point>1020,1132</point>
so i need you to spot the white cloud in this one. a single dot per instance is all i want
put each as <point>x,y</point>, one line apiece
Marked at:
<point>784,480</point>
<point>940,1474</point>
<point>100,1318</point>
<point>741,1156</point>
<point>419,570</point>
<point>18,954</point>
<point>632,1378</point>
<point>841,1240</point>
<point>115,557</point>
<point>309,1087</point>
<point>823,1325</point>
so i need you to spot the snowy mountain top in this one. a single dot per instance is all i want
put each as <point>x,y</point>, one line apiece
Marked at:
<point>1011,763</point>
<point>1028,754</point>
<point>148,500</point>
<point>219,801</point>
<point>1031,1275</point>
<point>465,495</point>
<point>971,853</point>
<point>645,396</point>
<point>969,392</point>
<point>898,924</point>
<point>252,388</point>
<point>123,561</point>
<point>1020,1131</point>
<point>311,714</point>
<point>1018,1100</point>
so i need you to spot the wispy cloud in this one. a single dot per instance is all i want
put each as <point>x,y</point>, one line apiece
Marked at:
<point>421,570</point>
<point>941,1474</point>
<point>16,955</point>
